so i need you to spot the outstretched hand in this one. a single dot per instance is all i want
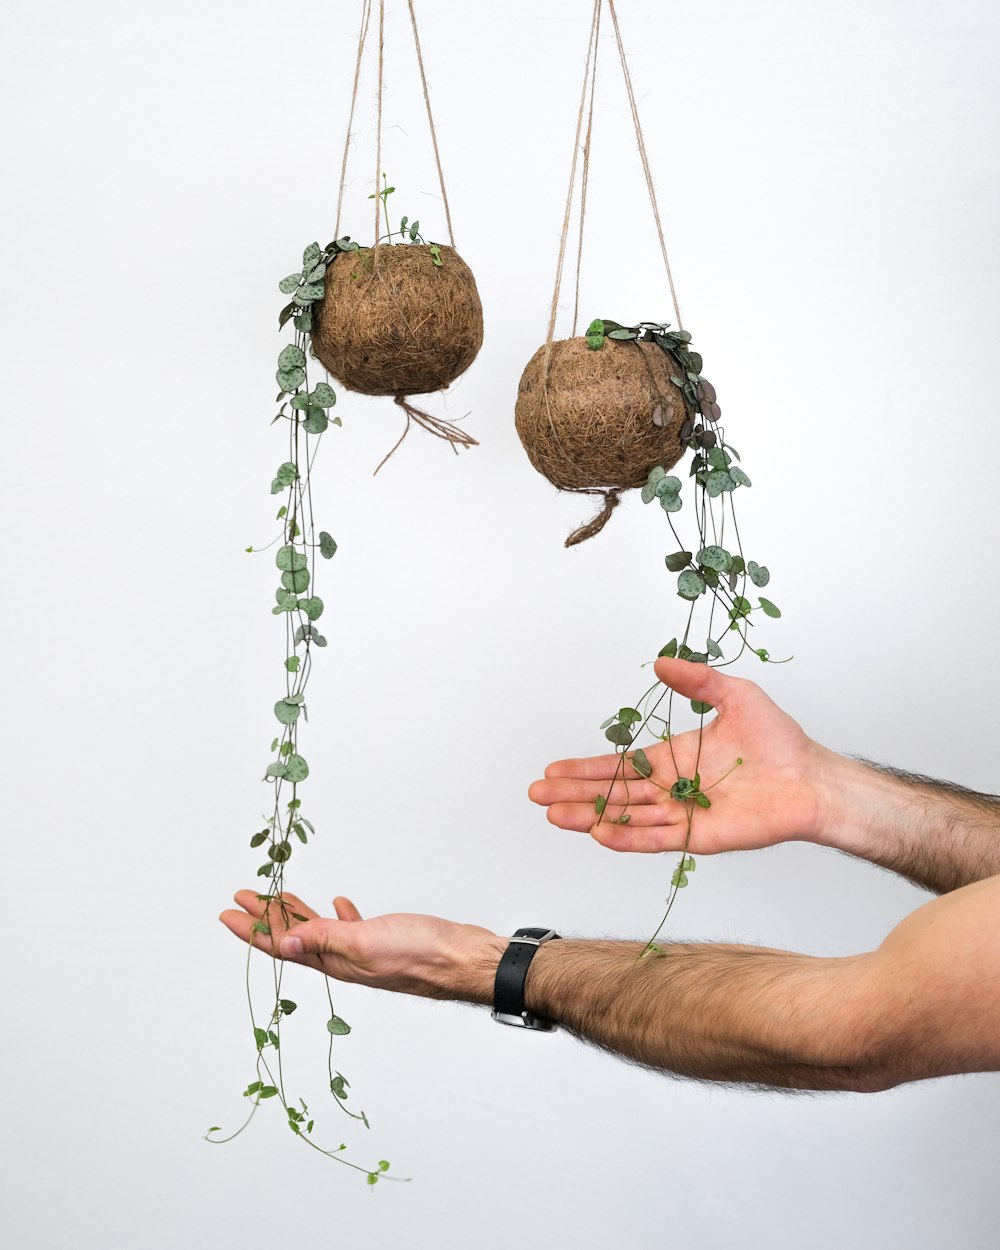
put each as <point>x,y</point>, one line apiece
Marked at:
<point>421,955</point>
<point>775,795</point>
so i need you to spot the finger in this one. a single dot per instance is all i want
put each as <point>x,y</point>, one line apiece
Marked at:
<point>309,943</point>
<point>694,681</point>
<point>574,816</point>
<point>255,903</point>
<point>571,790</point>
<point>644,840</point>
<point>242,924</point>
<point>238,922</point>
<point>594,768</point>
<point>581,816</point>
<point>345,909</point>
<point>250,901</point>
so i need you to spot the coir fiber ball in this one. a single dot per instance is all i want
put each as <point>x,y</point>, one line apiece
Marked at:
<point>392,322</point>
<point>603,418</point>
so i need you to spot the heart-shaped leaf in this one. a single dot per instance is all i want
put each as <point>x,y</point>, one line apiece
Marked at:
<point>287,713</point>
<point>717,558</point>
<point>290,379</point>
<point>297,768</point>
<point>288,559</point>
<point>769,608</point>
<point>323,396</point>
<point>690,585</point>
<point>717,482</point>
<point>316,421</point>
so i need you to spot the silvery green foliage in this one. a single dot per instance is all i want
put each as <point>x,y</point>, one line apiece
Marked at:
<point>306,411</point>
<point>711,578</point>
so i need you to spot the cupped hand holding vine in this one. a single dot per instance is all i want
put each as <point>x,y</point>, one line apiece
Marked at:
<point>782,789</point>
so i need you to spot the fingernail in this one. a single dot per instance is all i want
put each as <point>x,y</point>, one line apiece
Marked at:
<point>292,946</point>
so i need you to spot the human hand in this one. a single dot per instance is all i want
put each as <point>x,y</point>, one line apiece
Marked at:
<point>777,794</point>
<point>421,955</point>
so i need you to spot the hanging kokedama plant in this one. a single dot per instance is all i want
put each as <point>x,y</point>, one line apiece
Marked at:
<point>399,318</point>
<point>615,409</point>
<point>595,421</point>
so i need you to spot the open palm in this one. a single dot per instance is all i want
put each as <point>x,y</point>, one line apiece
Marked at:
<point>775,795</point>
<point>408,953</point>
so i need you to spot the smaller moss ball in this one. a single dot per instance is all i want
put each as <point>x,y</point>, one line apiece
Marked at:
<point>591,425</point>
<point>392,322</point>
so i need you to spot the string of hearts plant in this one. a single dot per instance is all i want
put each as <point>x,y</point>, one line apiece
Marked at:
<point>305,408</point>
<point>712,576</point>
<point>614,410</point>
<point>384,320</point>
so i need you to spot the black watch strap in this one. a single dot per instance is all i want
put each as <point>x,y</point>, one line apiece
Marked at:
<point>508,988</point>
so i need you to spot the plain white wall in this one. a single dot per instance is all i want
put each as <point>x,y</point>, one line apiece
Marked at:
<point>829,180</point>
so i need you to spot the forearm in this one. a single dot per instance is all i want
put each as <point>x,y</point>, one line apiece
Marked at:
<point>938,835</point>
<point>925,1004</point>
<point>713,1012</point>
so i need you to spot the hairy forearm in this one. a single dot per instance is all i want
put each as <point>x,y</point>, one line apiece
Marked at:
<point>936,834</point>
<point>714,1012</point>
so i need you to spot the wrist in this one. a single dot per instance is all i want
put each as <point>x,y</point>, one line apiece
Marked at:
<point>469,965</point>
<point>860,807</point>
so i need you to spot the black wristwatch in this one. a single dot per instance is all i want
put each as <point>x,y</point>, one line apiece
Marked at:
<point>508,989</point>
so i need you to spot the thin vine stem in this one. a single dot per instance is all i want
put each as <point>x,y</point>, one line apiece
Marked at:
<point>710,570</point>
<point>306,407</point>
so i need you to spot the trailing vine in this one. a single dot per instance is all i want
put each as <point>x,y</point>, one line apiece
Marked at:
<point>714,571</point>
<point>305,408</point>
<point>409,231</point>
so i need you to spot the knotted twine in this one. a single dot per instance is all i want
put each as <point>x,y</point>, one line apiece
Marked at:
<point>611,495</point>
<point>414,416</point>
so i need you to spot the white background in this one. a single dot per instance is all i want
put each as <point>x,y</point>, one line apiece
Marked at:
<point>829,182</point>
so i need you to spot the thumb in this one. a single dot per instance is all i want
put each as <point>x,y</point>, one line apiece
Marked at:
<point>694,681</point>
<point>313,937</point>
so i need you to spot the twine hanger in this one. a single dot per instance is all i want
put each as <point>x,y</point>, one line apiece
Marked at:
<point>612,496</point>
<point>440,428</point>
<point>366,13</point>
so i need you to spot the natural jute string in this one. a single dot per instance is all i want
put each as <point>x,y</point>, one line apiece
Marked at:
<point>611,496</point>
<point>641,143</point>
<point>430,122</point>
<point>378,126</point>
<point>554,309</point>
<point>366,12</point>
<point>414,416</point>
<point>585,176</point>
<point>380,88</point>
